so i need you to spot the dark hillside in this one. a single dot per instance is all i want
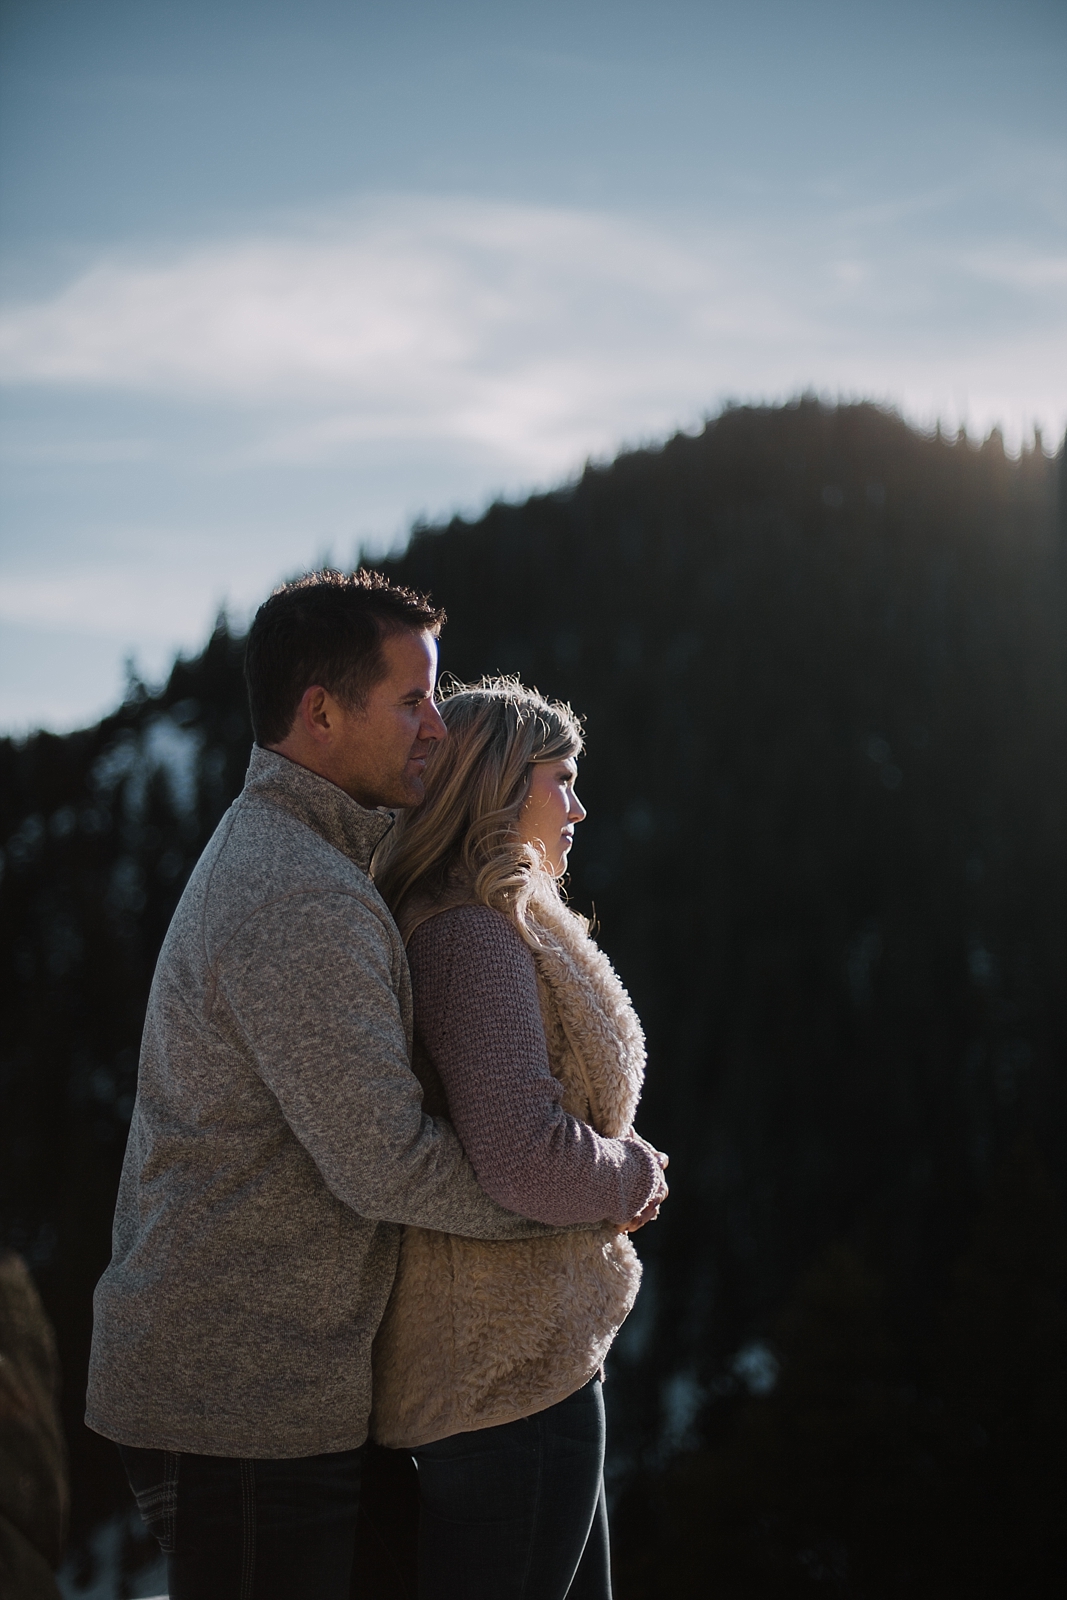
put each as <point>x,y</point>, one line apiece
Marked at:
<point>823,661</point>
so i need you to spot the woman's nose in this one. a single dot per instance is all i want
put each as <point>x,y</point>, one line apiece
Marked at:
<point>577,810</point>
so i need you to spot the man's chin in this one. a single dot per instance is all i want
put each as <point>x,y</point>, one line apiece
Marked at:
<point>402,791</point>
<point>410,791</point>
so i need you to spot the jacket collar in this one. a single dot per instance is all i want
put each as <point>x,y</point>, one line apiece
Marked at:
<point>334,815</point>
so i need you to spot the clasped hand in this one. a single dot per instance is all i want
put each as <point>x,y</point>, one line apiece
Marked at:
<point>651,1210</point>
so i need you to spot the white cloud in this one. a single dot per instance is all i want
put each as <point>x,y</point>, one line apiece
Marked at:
<point>106,600</point>
<point>409,295</point>
<point>1034,270</point>
<point>199,424</point>
<point>538,334</point>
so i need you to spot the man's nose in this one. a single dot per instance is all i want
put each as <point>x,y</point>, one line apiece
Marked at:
<point>432,726</point>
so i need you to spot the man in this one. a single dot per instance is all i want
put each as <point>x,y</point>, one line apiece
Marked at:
<point>278,1137</point>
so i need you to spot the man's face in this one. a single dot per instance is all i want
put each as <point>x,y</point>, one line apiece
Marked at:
<point>381,749</point>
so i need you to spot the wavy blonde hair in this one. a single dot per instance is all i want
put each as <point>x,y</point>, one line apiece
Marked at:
<point>462,842</point>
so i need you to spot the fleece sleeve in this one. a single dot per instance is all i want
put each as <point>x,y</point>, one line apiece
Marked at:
<point>309,983</point>
<point>478,1016</point>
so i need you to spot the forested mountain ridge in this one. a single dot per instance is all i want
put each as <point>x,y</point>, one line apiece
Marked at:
<point>823,662</point>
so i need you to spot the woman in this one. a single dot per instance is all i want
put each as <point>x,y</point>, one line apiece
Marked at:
<point>487,1365</point>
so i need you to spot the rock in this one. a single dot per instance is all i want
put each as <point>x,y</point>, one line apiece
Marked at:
<point>33,1462</point>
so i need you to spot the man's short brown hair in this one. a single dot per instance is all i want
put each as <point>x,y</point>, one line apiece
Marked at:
<point>325,628</point>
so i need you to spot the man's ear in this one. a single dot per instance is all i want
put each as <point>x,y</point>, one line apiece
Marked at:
<point>318,713</point>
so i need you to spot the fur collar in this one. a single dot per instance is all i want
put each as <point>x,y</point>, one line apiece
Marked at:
<point>594,1010</point>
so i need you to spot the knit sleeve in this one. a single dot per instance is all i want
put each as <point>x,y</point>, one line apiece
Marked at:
<point>478,1017</point>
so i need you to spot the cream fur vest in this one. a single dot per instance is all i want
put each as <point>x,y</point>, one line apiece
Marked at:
<point>483,1332</point>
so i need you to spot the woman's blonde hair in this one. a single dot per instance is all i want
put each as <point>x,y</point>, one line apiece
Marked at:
<point>463,841</point>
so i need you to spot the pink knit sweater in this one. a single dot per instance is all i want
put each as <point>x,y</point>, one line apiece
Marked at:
<point>478,1017</point>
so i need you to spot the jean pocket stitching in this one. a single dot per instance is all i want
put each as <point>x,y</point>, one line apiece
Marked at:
<point>158,1503</point>
<point>173,1462</point>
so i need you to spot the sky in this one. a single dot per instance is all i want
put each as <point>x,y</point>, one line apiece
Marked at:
<point>279,279</point>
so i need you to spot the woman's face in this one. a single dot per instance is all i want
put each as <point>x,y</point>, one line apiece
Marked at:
<point>550,812</point>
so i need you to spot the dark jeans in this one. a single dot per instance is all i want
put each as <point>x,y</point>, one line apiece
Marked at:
<point>517,1512</point>
<point>250,1529</point>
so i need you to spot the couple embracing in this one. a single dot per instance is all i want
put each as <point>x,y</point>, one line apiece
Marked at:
<point>382,1167</point>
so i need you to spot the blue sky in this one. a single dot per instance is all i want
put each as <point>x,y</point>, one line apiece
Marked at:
<point>279,278</point>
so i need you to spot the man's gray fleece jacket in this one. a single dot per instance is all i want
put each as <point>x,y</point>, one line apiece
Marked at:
<point>277,1142</point>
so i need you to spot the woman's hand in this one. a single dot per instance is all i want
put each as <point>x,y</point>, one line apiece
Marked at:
<point>660,1155</point>
<point>659,1194</point>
